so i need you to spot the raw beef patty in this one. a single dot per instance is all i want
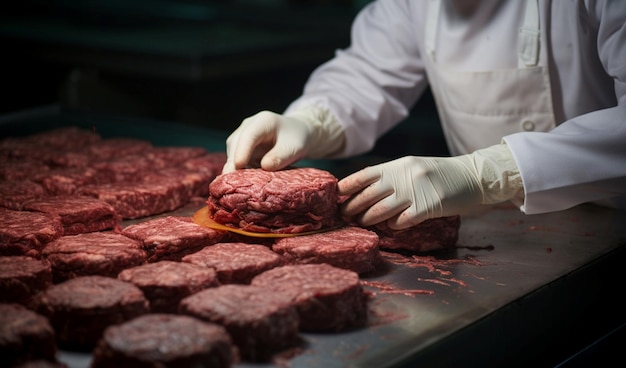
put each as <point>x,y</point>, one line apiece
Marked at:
<point>25,336</point>
<point>286,201</point>
<point>165,283</point>
<point>350,247</point>
<point>327,298</point>
<point>21,278</point>
<point>430,235</point>
<point>171,237</point>
<point>78,214</point>
<point>81,308</point>
<point>259,321</point>
<point>164,340</point>
<point>236,262</point>
<point>98,253</point>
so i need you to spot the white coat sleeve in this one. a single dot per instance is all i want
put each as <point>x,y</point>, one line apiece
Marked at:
<point>584,158</point>
<point>370,86</point>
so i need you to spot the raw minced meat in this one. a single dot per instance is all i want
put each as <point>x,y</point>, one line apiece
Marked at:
<point>286,201</point>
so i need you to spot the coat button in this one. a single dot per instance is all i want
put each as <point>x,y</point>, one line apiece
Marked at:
<point>528,125</point>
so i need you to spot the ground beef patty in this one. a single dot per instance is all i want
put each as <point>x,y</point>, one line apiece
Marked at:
<point>110,148</point>
<point>286,201</point>
<point>196,183</point>
<point>12,170</point>
<point>67,180</point>
<point>327,298</point>
<point>81,308</point>
<point>430,235</point>
<point>172,237</point>
<point>24,336</point>
<point>211,163</point>
<point>60,139</point>
<point>236,262</point>
<point>78,214</point>
<point>21,278</point>
<point>26,233</point>
<point>172,156</point>
<point>164,340</point>
<point>350,247</point>
<point>259,322</point>
<point>98,253</point>
<point>165,283</point>
<point>140,199</point>
<point>13,193</point>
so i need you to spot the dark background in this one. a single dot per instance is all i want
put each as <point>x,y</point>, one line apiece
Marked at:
<point>199,62</point>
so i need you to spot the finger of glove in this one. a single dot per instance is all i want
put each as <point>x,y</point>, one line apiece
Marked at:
<point>367,197</point>
<point>258,131</point>
<point>358,181</point>
<point>289,148</point>
<point>231,143</point>
<point>388,207</point>
<point>407,218</point>
<point>279,157</point>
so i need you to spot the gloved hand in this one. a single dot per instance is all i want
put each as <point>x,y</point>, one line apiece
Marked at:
<point>409,190</point>
<point>276,141</point>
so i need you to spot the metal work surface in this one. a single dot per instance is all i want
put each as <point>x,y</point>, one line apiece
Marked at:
<point>513,284</point>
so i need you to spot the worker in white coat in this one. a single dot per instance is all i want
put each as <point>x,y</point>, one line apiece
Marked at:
<point>531,96</point>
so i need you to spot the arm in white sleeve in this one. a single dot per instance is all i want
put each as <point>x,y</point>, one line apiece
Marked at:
<point>370,86</point>
<point>581,161</point>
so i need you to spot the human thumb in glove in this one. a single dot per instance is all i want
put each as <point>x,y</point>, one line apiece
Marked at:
<point>409,190</point>
<point>273,141</point>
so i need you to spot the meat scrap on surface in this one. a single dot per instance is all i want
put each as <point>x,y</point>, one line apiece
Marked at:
<point>78,214</point>
<point>327,298</point>
<point>235,262</point>
<point>81,308</point>
<point>25,336</point>
<point>165,340</point>
<point>166,283</point>
<point>26,233</point>
<point>287,201</point>
<point>21,278</point>
<point>259,321</point>
<point>97,253</point>
<point>350,247</point>
<point>172,237</point>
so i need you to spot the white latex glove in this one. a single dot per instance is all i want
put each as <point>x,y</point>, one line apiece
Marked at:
<point>409,190</point>
<point>273,141</point>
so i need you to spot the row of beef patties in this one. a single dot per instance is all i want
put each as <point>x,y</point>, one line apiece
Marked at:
<point>173,266</point>
<point>182,311</point>
<point>70,181</point>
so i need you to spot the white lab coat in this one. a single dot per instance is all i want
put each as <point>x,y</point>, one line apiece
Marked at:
<point>372,85</point>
